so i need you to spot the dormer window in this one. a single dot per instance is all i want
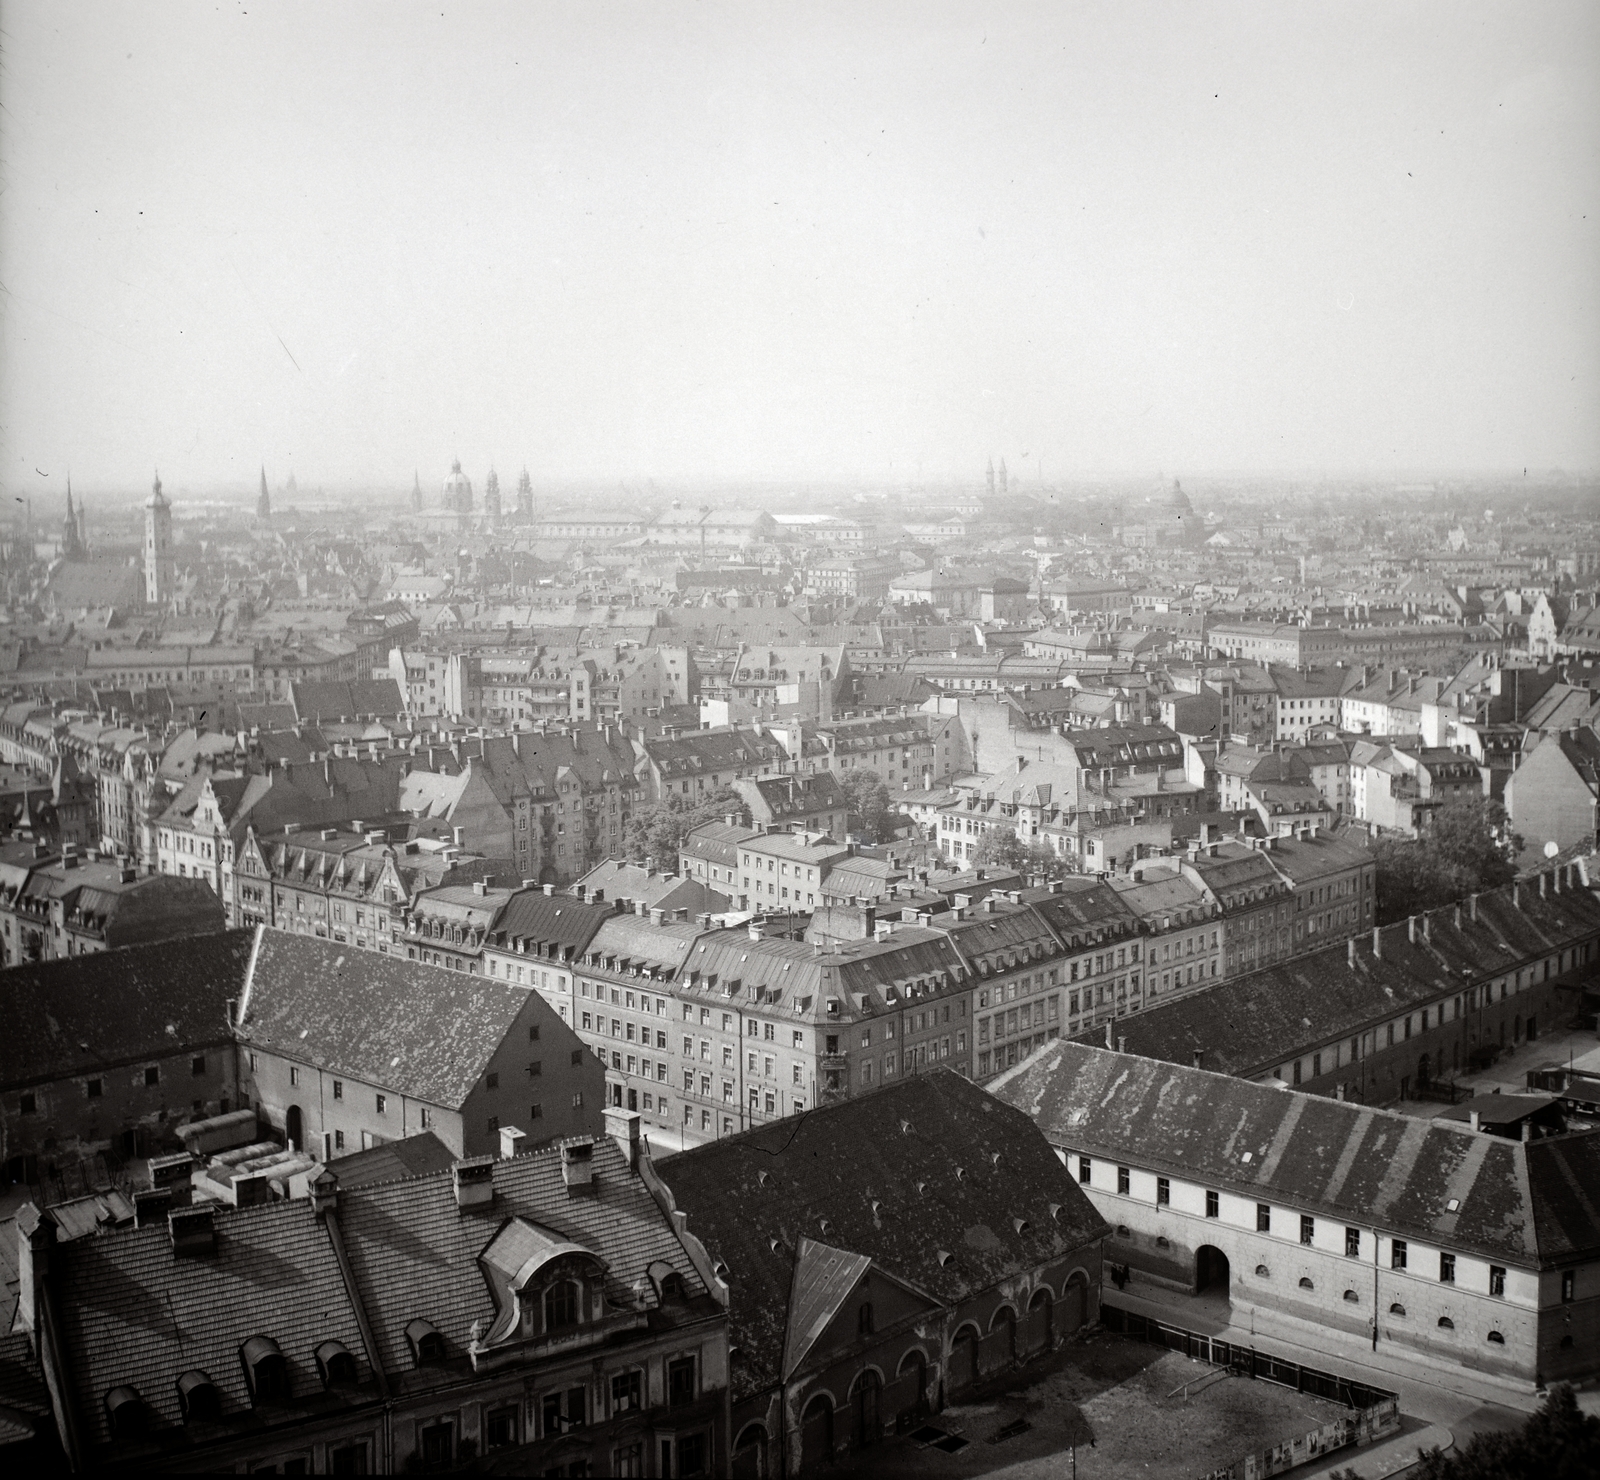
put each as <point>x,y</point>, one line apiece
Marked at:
<point>427,1345</point>
<point>266,1373</point>
<point>336,1365</point>
<point>198,1399</point>
<point>127,1413</point>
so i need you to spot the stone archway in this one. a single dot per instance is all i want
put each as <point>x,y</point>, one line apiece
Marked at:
<point>1211,1272</point>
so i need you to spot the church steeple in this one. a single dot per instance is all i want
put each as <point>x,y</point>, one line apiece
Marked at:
<point>416,490</point>
<point>264,499</point>
<point>72,547</point>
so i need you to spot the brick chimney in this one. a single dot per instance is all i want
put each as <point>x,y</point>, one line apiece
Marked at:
<point>577,1166</point>
<point>623,1128</point>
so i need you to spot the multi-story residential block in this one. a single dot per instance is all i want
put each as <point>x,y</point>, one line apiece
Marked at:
<point>852,1331</point>
<point>1553,796</point>
<point>1398,788</point>
<point>697,764</point>
<point>813,803</point>
<point>785,871</point>
<point>1402,1240</point>
<point>74,904</point>
<point>342,1051</point>
<point>540,1310</point>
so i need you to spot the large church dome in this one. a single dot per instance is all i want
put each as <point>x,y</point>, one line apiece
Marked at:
<point>457,489</point>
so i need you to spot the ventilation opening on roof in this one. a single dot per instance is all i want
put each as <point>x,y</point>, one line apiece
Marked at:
<point>198,1399</point>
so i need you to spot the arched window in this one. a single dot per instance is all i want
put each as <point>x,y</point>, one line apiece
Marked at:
<point>561,1306</point>
<point>1162,1242</point>
<point>1352,1297</point>
<point>1262,1272</point>
<point>427,1345</point>
<point>1497,1338</point>
<point>1446,1324</point>
<point>336,1364</point>
<point>1123,1231</point>
<point>864,1326</point>
<point>1306,1284</point>
<point>673,1288</point>
<point>1397,1309</point>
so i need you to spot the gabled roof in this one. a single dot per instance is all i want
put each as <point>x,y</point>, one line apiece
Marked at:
<point>877,1176</point>
<point>823,1279</point>
<point>413,1028</point>
<point>1430,1179</point>
<point>72,1017</point>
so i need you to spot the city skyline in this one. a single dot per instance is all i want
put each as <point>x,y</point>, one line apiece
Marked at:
<point>728,247</point>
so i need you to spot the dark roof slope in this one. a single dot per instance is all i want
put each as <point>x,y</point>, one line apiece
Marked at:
<point>877,1175</point>
<point>415,1252</point>
<point>88,1012</point>
<point>1323,1156</point>
<point>418,1030</point>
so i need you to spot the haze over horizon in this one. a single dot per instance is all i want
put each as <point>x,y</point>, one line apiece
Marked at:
<point>619,243</point>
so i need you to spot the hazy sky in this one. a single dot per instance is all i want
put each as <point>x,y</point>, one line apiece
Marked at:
<point>805,241</point>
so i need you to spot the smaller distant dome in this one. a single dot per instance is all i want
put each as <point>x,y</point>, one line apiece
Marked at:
<point>1177,500</point>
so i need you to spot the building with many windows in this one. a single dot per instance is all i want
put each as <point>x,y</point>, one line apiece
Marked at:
<point>1407,1239</point>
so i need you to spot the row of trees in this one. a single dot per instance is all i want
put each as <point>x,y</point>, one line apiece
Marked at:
<point>1469,847</point>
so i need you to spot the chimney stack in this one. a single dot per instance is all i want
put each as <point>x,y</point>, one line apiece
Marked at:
<point>511,1140</point>
<point>1110,1042</point>
<point>473,1177</point>
<point>577,1166</point>
<point>192,1231</point>
<point>1352,951</point>
<point>623,1128</point>
<point>170,1174</point>
<point>1377,943</point>
<point>1475,1120</point>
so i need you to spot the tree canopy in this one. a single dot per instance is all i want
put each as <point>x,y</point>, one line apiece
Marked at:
<point>1559,1442</point>
<point>998,849</point>
<point>658,830</point>
<point>871,805</point>
<point>1468,847</point>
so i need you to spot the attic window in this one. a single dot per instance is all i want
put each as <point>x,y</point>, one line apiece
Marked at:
<point>336,1365</point>
<point>198,1399</point>
<point>1262,1272</point>
<point>427,1345</point>
<point>1493,1336</point>
<point>1399,1310</point>
<point>127,1413</point>
<point>944,1256</point>
<point>1352,1297</point>
<point>266,1372</point>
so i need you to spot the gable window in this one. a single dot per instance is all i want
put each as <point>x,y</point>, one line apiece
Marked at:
<point>864,1326</point>
<point>561,1306</point>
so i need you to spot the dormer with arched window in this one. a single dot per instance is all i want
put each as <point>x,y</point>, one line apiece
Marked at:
<point>266,1373</point>
<point>544,1285</point>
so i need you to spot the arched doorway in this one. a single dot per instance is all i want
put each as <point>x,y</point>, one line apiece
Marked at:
<point>1076,1302</point>
<point>864,1400</point>
<point>816,1432</point>
<point>1003,1328</point>
<point>750,1453</point>
<point>295,1128</point>
<point>964,1358</point>
<point>911,1383</point>
<point>1041,1321</point>
<point>1211,1274</point>
<point>1423,1071</point>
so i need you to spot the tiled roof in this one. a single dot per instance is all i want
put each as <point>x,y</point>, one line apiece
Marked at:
<point>1253,1023</point>
<point>558,920</point>
<point>1318,1154</point>
<point>415,1029</point>
<point>137,1315</point>
<point>415,1253</point>
<point>876,1175</point>
<point>70,1017</point>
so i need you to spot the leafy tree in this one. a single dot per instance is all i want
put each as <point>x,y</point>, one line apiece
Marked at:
<point>870,802</point>
<point>999,849</point>
<point>1468,847</point>
<point>1559,1442</point>
<point>658,831</point>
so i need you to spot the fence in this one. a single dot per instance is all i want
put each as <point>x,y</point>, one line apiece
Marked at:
<point>1358,1428</point>
<point>1247,1361</point>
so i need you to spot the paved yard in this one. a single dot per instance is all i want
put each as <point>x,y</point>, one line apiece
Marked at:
<point>1128,1396</point>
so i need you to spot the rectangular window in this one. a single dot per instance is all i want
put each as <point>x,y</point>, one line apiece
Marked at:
<point>680,1381</point>
<point>1122,1180</point>
<point>96,1088</point>
<point>1569,1280</point>
<point>1447,1269</point>
<point>294,1076</point>
<point>1497,1280</point>
<point>1352,1243</point>
<point>626,1392</point>
<point>197,1065</point>
<point>1263,1218</point>
<point>1085,1170</point>
<point>27,1105</point>
<point>382,1103</point>
<point>500,1427</point>
<point>1397,1254</point>
<point>1308,1229</point>
<point>1163,1192</point>
<point>1213,1205</point>
<point>338,1089</point>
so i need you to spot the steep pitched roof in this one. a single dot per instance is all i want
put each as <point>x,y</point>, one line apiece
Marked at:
<point>87,1012</point>
<point>424,1032</point>
<point>1432,1179</point>
<point>875,1175</point>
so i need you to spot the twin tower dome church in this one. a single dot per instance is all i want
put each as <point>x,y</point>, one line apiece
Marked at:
<point>456,499</point>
